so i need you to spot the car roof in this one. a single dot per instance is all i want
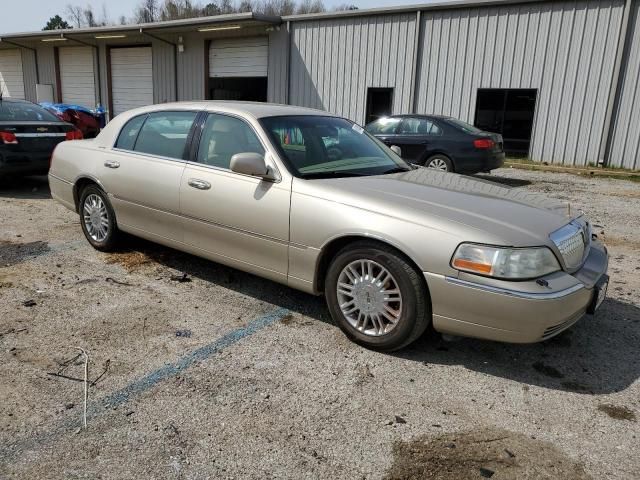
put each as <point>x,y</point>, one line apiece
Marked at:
<point>253,109</point>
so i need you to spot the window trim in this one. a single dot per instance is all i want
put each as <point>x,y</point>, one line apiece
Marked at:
<point>197,137</point>
<point>186,150</point>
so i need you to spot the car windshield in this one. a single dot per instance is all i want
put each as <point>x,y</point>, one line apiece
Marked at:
<point>320,147</point>
<point>24,112</point>
<point>464,126</point>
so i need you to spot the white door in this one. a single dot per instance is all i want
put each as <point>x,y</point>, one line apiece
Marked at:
<point>11,76</point>
<point>77,76</point>
<point>239,57</point>
<point>131,78</point>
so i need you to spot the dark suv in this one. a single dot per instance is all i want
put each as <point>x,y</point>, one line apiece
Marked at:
<point>439,142</point>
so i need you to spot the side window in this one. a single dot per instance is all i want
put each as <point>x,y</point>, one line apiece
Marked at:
<point>165,134</point>
<point>224,136</point>
<point>129,133</point>
<point>419,126</point>
<point>383,126</point>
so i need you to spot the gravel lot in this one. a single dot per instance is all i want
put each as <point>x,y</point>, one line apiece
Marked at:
<point>231,376</point>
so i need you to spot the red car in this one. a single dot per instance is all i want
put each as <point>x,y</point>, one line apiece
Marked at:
<point>78,116</point>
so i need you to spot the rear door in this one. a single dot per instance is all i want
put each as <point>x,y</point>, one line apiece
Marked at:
<point>236,219</point>
<point>143,170</point>
<point>417,137</point>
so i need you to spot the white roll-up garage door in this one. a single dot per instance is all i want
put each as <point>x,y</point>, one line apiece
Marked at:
<point>131,78</point>
<point>11,76</point>
<point>239,57</point>
<point>77,76</point>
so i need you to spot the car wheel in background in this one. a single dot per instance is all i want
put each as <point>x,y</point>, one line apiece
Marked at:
<point>377,297</point>
<point>97,219</point>
<point>439,162</point>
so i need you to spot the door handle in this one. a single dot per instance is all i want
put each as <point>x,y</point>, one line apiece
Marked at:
<point>199,184</point>
<point>111,164</point>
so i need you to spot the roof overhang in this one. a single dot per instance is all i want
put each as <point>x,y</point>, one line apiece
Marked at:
<point>218,23</point>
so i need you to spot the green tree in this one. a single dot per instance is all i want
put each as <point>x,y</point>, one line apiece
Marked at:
<point>56,23</point>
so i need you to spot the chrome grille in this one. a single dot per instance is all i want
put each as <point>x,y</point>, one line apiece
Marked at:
<point>573,241</point>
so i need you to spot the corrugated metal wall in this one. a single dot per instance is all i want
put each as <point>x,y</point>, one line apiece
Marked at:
<point>625,142</point>
<point>164,75</point>
<point>278,69</point>
<point>334,61</point>
<point>47,66</point>
<point>566,50</point>
<point>191,69</point>
<point>30,74</point>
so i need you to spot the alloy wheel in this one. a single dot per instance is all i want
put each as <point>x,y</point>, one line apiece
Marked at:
<point>369,297</point>
<point>96,217</point>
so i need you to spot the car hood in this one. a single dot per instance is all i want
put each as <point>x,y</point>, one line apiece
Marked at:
<point>446,201</point>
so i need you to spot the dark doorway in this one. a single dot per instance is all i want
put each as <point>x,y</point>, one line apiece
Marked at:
<point>250,89</point>
<point>379,101</point>
<point>510,113</point>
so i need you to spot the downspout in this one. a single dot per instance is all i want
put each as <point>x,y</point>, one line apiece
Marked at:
<point>175,59</point>
<point>289,44</point>
<point>615,92</point>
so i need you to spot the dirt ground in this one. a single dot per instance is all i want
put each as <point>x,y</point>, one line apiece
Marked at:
<point>220,374</point>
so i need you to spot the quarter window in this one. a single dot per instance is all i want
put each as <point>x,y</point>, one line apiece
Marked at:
<point>419,126</point>
<point>223,137</point>
<point>165,134</point>
<point>129,133</point>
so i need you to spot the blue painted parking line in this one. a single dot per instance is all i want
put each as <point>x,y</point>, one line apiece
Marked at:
<point>141,385</point>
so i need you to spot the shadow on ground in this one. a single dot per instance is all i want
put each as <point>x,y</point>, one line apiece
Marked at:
<point>25,187</point>
<point>597,355</point>
<point>509,182</point>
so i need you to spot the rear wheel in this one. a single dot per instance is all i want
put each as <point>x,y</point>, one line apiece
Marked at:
<point>439,162</point>
<point>377,297</point>
<point>98,219</point>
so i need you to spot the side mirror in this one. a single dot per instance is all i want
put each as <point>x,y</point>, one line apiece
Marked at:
<point>251,163</point>
<point>397,150</point>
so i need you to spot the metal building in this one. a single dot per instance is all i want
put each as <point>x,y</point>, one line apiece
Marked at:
<point>560,79</point>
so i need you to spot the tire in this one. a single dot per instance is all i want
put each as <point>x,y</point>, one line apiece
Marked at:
<point>95,207</point>
<point>440,162</point>
<point>413,313</point>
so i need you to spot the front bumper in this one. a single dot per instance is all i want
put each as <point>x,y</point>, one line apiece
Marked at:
<point>515,312</point>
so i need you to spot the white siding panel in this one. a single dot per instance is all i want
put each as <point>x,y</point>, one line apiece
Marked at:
<point>77,76</point>
<point>625,141</point>
<point>564,49</point>
<point>334,61</point>
<point>11,75</point>
<point>239,57</point>
<point>131,78</point>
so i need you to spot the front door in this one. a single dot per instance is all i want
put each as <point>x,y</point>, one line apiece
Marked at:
<point>236,219</point>
<point>142,173</point>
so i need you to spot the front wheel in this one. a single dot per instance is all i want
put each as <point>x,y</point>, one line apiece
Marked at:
<point>439,162</point>
<point>377,297</point>
<point>98,219</point>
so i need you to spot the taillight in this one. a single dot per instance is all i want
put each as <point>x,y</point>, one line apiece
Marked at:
<point>74,135</point>
<point>8,138</point>
<point>484,143</point>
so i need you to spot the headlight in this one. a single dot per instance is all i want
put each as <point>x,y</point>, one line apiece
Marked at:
<point>505,262</point>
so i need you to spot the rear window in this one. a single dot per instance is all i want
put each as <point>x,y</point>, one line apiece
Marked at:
<point>383,126</point>
<point>159,133</point>
<point>464,126</point>
<point>24,112</point>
